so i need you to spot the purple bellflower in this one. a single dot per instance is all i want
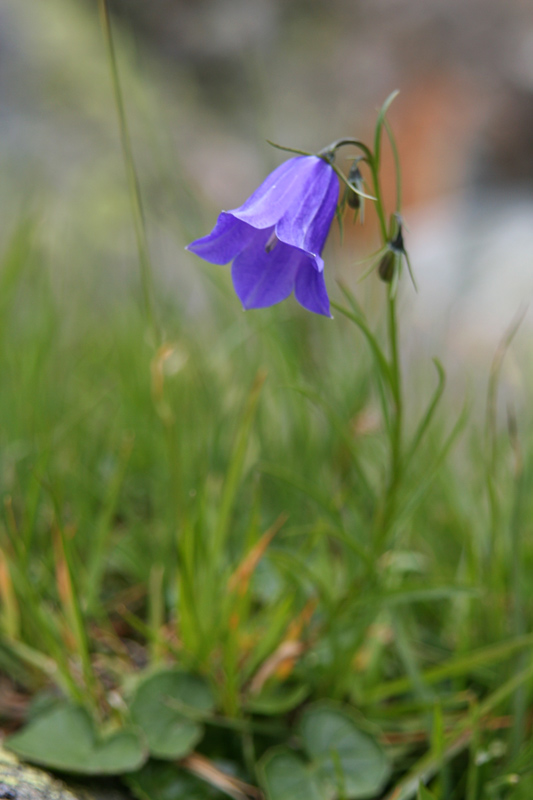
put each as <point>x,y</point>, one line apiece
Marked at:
<point>276,238</point>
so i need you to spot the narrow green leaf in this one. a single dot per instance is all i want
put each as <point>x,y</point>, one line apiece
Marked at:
<point>379,126</point>
<point>235,468</point>
<point>310,490</point>
<point>103,527</point>
<point>454,667</point>
<point>381,361</point>
<point>428,416</point>
<point>397,167</point>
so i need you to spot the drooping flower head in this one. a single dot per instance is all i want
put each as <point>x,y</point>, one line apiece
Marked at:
<point>275,239</point>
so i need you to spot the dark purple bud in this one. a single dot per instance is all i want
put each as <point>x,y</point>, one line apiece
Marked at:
<point>387,266</point>
<point>353,199</point>
<point>355,179</point>
<point>397,243</point>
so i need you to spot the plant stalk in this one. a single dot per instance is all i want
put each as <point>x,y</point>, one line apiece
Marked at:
<point>145,262</point>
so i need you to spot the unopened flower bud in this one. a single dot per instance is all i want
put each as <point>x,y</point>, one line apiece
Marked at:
<point>386,266</point>
<point>397,243</point>
<point>355,179</point>
<point>392,258</point>
<point>353,199</point>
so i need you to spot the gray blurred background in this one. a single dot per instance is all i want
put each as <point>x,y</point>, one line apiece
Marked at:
<point>208,81</point>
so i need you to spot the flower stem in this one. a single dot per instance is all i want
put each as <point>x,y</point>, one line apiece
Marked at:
<point>397,415</point>
<point>348,141</point>
<point>379,202</point>
<point>396,428</point>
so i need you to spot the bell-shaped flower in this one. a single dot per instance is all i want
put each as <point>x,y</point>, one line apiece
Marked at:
<point>276,238</point>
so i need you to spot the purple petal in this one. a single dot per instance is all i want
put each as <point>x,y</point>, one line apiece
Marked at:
<point>310,290</point>
<point>276,237</point>
<point>226,240</point>
<point>307,220</point>
<point>263,276</point>
<point>282,190</point>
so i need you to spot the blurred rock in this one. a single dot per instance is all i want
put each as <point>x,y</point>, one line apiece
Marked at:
<point>21,782</point>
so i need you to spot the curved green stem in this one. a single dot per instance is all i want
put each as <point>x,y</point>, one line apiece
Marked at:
<point>348,141</point>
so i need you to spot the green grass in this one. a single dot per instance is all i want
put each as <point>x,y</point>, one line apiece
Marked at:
<point>212,493</point>
<point>135,485</point>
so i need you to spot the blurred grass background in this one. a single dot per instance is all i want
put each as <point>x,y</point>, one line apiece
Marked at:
<point>111,457</point>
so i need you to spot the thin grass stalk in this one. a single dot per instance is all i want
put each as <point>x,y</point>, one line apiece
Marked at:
<point>472,775</point>
<point>518,621</point>
<point>491,444</point>
<point>96,567</point>
<point>428,416</point>
<point>428,766</point>
<point>156,610</point>
<point>454,668</point>
<point>234,472</point>
<point>74,614</point>
<point>45,629</point>
<point>145,262</point>
<point>9,608</point>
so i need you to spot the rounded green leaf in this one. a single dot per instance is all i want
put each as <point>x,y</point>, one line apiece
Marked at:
<point>168,706</point>
<point>65,738</point>
<point>284,776</point>
<point>347,761</point>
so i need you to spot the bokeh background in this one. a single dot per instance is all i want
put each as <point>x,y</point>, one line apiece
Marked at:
<point>208,81</point>
<point>156,471</point>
